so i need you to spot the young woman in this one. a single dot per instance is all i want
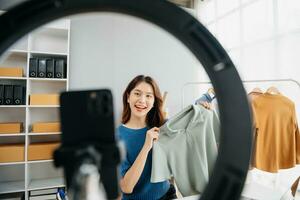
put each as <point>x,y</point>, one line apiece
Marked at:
<point>141,117</point>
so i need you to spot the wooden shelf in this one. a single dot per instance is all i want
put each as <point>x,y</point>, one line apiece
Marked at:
<point>48,79</point>
<point>12,186</point>
<point>58,25</point>
<point>39,161</point>
<point>50,41</point>
<point>48,133</point>
<point>11,134</point>
<point>43,106</point>
<point>12,163</point>
<point>49,53</point>
<point>13,78</point>
<point>18,51</point>
<point>58,31</point>
<point>12,106</point>
<point>37,184</point>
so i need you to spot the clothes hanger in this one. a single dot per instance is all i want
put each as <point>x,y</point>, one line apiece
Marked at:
<point>211,90</point>
<point>273,90</point>
<point>164,98</point>
<point>296,187</point>
<point>164,108</point>
<point>211,93</point>
<point>256,90</point>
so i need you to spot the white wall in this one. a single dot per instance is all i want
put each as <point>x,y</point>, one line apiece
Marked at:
<point>108,50</point>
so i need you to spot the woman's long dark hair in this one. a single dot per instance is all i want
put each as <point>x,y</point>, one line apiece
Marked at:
<point>155,115</point>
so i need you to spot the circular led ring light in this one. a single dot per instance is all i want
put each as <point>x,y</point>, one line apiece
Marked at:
<point>227,179</point>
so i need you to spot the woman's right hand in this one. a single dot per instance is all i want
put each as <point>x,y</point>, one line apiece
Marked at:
<point>206,105</point>
<point>151,135</point>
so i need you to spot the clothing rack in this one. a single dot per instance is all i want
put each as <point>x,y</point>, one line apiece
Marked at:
<point>244,81</point>
<point>285,175</point>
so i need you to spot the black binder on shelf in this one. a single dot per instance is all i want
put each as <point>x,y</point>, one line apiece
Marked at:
<point>8,94</point>
<point>60,69</point>
<point>42,68</point>
<point>33,65</point>
<point>50,68</point>
<point>19,94</point>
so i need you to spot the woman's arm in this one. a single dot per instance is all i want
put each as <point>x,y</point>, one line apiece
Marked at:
<point>132,176</point>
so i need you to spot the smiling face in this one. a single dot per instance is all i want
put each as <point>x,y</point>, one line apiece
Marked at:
<point>141,100</point>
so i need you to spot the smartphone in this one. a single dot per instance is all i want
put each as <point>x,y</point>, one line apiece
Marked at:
<point>87,117</point>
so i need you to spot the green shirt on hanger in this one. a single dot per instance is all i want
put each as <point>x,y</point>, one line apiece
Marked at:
<point>187,149</point>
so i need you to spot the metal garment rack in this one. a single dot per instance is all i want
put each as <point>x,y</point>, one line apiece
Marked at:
<point>244,81</point>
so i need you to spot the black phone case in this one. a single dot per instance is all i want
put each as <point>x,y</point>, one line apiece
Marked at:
<point>87,117</point>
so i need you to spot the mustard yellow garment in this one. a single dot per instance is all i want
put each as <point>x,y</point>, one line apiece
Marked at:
<point>277,143</point>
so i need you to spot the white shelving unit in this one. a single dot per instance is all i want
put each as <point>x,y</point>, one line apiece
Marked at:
<point>51,40</point>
